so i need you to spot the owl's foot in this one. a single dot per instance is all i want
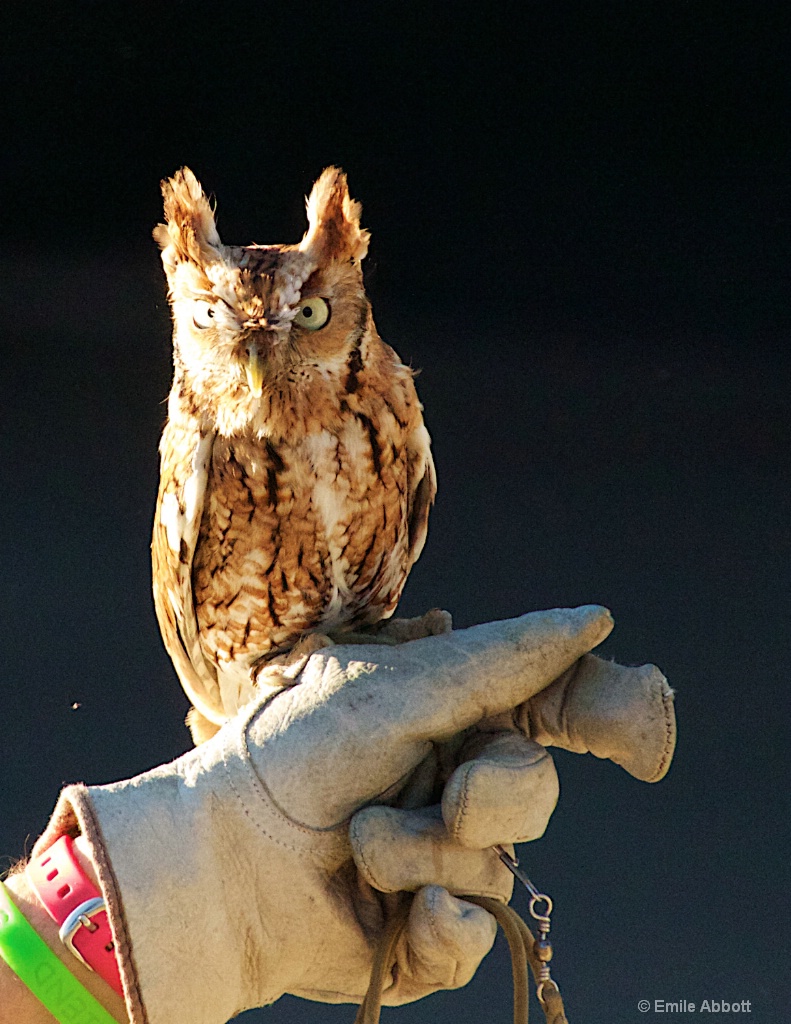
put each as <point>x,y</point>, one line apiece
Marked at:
<point>399,631</point>
<point>434,622</point>
<point>282,670</point>
<point>304,647</point>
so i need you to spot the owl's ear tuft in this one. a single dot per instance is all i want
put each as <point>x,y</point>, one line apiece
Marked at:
<point>334,230</point>
<point>189,233</point>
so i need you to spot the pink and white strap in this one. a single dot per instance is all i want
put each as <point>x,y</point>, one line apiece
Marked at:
<point>77,907</point>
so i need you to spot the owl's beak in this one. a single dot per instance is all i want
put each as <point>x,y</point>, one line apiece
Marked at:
<point>254,368</point>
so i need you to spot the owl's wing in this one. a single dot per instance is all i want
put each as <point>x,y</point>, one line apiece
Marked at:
<point>421,490</point>
<point>185,456</point>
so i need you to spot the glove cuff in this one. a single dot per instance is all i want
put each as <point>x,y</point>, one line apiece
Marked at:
<point>73,816</point>
<point>197,866</point>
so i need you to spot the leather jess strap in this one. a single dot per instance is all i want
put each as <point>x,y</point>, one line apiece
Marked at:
<point>77,907</point>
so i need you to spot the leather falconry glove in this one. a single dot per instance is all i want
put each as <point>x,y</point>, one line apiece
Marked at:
<point>269,859</point>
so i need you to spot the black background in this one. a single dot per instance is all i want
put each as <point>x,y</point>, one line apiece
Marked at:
<point>580,224</point>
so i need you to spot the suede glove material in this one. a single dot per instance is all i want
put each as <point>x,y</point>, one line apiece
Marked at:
<point>268,859</point>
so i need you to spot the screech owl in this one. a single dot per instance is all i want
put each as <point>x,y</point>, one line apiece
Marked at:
<point>296,471</point>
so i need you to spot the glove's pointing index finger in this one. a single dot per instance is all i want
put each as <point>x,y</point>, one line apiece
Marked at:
<point>484,670</point>
<point>363,717</point>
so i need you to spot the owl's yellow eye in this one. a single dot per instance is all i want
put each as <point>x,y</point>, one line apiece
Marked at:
<point>312,314</point>
<point>203,314</point>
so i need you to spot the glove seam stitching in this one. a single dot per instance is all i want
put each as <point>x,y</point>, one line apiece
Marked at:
<point>667,699</point>
<point>266,799</point>
<point>360,858</point>
<point>461,810</point>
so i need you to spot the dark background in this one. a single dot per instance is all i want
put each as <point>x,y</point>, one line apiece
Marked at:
<point>580,223</point>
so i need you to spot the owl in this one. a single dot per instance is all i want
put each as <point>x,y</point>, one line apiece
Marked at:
<point>296,474</point>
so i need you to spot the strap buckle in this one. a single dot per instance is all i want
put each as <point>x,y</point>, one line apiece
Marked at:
<point>80,917</point>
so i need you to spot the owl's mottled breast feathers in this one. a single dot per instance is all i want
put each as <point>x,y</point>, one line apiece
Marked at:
<point>296,473</point>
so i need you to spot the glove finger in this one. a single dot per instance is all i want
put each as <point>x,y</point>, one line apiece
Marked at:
<point>364,716</point>
<point>622,713</point>
<point>504,793</point>
<point>443,684</point>
<point>397,850</point>
<point>442,945</point>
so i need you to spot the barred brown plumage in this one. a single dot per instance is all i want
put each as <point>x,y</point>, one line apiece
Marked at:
<point>296,471</point>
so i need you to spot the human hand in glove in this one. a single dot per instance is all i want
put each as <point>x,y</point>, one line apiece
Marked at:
<point>269,859</point>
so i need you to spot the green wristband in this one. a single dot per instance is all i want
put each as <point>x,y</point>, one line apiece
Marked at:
<point>47,977</point>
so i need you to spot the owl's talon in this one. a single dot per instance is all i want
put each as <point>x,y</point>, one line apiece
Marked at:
<point>307,645</point>
<point>282,670</point>
<point>272,678</point>
<point>434,622</point>
<point>303,648</point>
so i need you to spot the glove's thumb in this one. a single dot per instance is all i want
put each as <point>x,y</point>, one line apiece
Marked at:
<point>612,711</point>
